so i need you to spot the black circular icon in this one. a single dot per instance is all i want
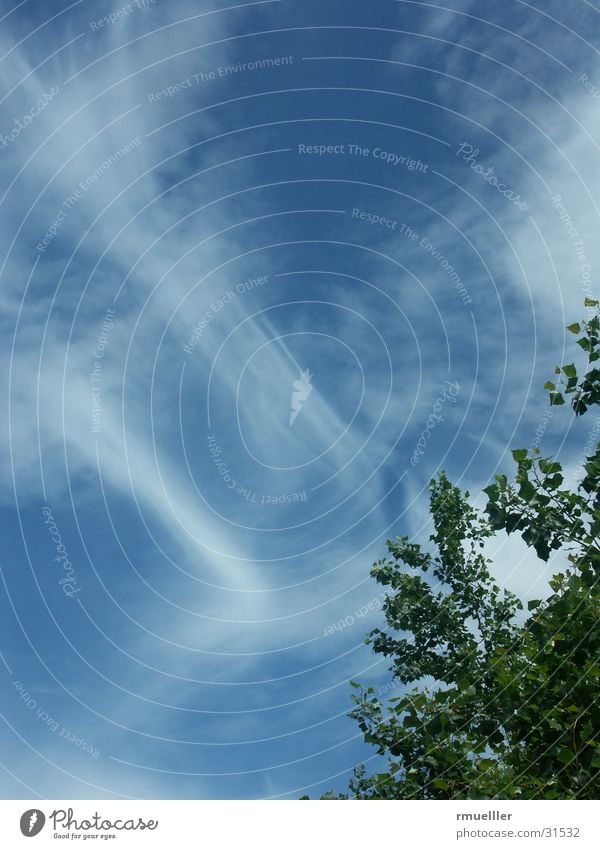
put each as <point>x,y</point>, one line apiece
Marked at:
<point>32,822</point>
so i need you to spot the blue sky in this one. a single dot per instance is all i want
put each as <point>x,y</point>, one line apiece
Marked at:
<point>398,199</point>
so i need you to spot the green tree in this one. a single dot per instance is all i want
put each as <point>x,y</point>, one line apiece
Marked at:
<point>495,703</point>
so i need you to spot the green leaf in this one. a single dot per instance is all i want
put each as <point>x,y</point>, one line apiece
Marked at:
<point>553,481</point>
<point>574,328</point>
<point>565,756</point>
<point>570,370</point>
<point>527,491</point>
<point>556,399</point>
<point>492,491</point>
<point>549,467</point>
<point>549,385</point>
<point>519,454</point>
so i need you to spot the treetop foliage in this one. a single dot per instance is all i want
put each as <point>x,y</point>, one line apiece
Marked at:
<point>496,702</point>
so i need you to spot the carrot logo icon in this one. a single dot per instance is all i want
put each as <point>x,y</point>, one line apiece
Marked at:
<point>32,822</point>
<point>301,390</point>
